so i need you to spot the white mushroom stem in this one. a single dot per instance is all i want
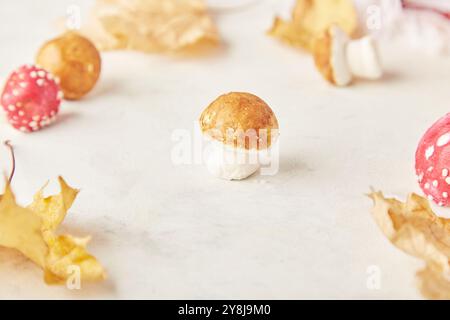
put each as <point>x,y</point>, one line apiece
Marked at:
<point>363,59</point>
<point>231,163</point>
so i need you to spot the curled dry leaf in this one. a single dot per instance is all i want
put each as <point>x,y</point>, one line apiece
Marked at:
<point>32,231</point>
<point>150,25</point>
<point>291,33</point>
<point>414,228</point>
<point>310,18</point>
<point>433,285</point>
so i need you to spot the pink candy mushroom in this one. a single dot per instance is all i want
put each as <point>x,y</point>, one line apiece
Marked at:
<point>433,162</point>
<point>31,98</point>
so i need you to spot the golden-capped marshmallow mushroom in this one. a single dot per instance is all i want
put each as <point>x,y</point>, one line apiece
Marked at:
<point>239,125</point>
<point>339,59</point>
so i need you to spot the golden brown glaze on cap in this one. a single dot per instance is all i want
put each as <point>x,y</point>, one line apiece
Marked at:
<point>74,60</point>
<point>241,114</point>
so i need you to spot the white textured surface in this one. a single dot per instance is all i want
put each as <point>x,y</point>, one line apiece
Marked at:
<point>164,231</point>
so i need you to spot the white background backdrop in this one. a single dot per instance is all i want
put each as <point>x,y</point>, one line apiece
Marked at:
<point>166,231</point>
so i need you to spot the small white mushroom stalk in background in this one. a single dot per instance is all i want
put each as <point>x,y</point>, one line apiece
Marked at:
<point>341,59</point>
<point>363,58</point>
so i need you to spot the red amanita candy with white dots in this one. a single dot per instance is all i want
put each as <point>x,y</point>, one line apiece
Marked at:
<point>433,162</point>
<point>31,98</point>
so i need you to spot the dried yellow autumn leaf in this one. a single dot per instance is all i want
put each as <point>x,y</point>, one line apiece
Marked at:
<point>310,18</point>
<point>414,228</point>
<point>20,229</point>
<point>150,25</point>
<point>316,16</point>
<point>291,33</point>
<point>433,285</point>
<point>52,210</point>
<point>67,251</point>
<point>32,232</point>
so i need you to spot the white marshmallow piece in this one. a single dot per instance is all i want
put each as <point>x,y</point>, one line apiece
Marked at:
<point>353,58</point>
<point>230,163</point>
<point>363,59</point>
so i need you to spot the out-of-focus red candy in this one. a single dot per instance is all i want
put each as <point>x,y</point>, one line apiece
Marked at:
<point>31,98</point>
<point>433,162</point>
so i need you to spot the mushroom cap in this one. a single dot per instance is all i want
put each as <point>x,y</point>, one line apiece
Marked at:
<point>74,60</point>
<point>31,98</point>
<point>330,56</point>
<point>240,120</point>
<point>433,162</point>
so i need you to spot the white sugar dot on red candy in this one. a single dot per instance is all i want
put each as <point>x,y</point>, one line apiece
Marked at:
<point>30,94</point>
<point>433,162</point>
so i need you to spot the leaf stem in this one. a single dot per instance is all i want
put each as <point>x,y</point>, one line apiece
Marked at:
<point>8,144</point>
